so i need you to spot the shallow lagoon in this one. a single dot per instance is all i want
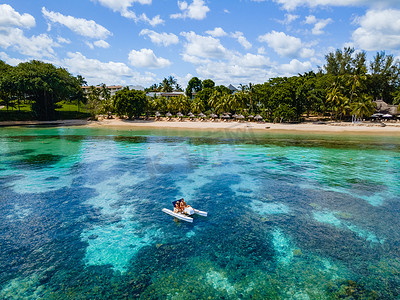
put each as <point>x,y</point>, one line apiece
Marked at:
<point>291,216</point>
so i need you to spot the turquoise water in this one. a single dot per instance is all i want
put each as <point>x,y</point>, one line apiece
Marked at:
<point>289,216</point>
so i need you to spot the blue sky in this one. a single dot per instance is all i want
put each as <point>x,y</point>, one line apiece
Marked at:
<point>139,42</point>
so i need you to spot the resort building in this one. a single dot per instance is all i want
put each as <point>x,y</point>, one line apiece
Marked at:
<point>167,95</point>
<point>114,88</point>
<point>384,108</point>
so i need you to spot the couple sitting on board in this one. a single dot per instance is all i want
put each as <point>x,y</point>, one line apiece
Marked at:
<point>180,206</point>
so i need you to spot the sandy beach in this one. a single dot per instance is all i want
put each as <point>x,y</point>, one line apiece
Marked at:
<point>328,127</point>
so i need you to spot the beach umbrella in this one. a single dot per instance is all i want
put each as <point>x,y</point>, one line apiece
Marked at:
<point>225,116</point>
<point>377,115</point>
<point>201,115</point>
<point>235,116</point>
<point>240,116</point>
<point>387,116</point>
<point>179,114</point>
<point>191,115</point>
<point>258,117</point>
<point>251,117</point>
<point>158,114</point>
<point>213,116</point>
<point>169,114</point>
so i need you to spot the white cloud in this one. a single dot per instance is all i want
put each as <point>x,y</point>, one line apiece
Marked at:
<point>286,45</point>
<point>289,18</point>
<point>90,45</point>
<point>101,44</point>
<point>87,28</point>
<point>164,38</point>
<point>261,50</point>
<point>242,69</point>
<point>196,10</point>
<point>203,46</point>
<point>37,47</point>
<point>319,24</point>
<point>294,67</point>
<point>9,17</point>
<point>62,40</point>
<point>241,39</point>
<point>249,60</point>
<point>9,60</point>
<point>122,6</point>
<point>379,29</point>
<point>217,32</point>
<point>145,58</point>
<point>96,72</point>
<point>293,4</point>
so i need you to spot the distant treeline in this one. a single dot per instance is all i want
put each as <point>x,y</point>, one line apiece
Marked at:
<point>345,86</point>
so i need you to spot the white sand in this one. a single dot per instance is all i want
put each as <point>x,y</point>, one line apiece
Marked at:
<point>329,127</point>
<point>366,127</point>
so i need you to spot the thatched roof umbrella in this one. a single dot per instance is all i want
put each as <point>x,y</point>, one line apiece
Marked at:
<point>258,118</point>
<point>250,117</point>
<point>168,115</point>
<point>191,116</point>
<point>179,115</point>
<point>213,116</point>
<point>158,114</point>
<point>225,116</point>
<point>201,115</point>
<point>240,117</point>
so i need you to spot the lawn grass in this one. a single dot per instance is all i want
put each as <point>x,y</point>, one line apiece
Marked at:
<point>68,110</point>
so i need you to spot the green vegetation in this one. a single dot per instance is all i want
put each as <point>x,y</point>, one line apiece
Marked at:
<point>130,103</point>
<point>345,88</point>
<point>37,85</point>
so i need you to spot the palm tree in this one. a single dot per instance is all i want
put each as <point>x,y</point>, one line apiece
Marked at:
<point>182,103</point>
<point>105,94</point>
<point>214,99</point>
<point>172,81</point>
<point>337,101</point>
<point>342,107</point>
<point>166,85</point>
<point>364,106</point>
<point>197,105</point>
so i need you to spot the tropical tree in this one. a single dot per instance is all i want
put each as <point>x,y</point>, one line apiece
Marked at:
<point>384,78</point>
<point>340,62</point>
<point>158,104</point>
<point>194,85</point>
<point>105,96</point>
<point>208,84</point>
<point>198,105</point>
<point>179,104</point>
<point>45,85</point>
<point>6,85</point>
<point>363,107</point>
<point>131,103</point>
<point>334,98</point>
<point>93,104</point>
<point>214,99</point>
<point>284,112</point>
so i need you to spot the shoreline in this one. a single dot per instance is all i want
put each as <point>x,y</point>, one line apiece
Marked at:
<point>328,127</point>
